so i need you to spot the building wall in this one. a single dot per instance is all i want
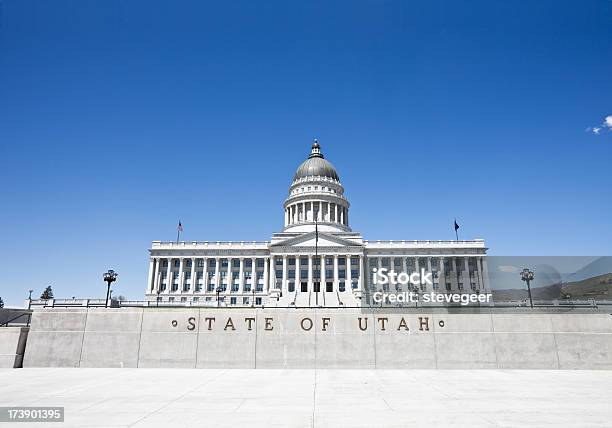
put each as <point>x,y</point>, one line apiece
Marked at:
<point>324,338</point>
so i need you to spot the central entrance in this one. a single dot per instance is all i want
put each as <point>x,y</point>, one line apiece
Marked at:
<point>317,286</point>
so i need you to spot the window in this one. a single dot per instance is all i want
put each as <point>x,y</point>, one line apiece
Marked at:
<point>304,274</point>
<point>341,273</point>
<point>248,263</point>
<point>165,263</point>
<point>260,262</point>
<point>291,286</point>
<point>279,273</point>
<point>177,263</point>
<point>183,299</point>
<point>354,273</point>
<point>188,263</point>
<point>258,301</point>
<point>200,263</point>
<point>342,286</point>
<point>236,263</point>
<point>304,287</point>
<point>212,263</point>
<point>187,275</point>
<point>171,299</point>
<point>329,286</point>
<point>291,274</point>
<point>341,261</point>
<point>291,261</point>
<point>232,301</point>
<point>196,299</point>
<point>223,262</point>
<point>329,273</point>
<point>247,287</point>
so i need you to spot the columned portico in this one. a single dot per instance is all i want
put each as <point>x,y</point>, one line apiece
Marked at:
<point>315,240</point>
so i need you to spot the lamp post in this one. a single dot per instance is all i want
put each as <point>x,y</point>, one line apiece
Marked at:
<point>30,300</point>
<point>218,290</point>
<point>109,278</point>
<point>157,300</point>
<point>527,276</point>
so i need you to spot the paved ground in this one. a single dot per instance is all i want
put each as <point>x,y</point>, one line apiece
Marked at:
<point>304,398</point>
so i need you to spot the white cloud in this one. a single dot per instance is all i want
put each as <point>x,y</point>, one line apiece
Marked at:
<point>605,126</point>
<point>509,269</point>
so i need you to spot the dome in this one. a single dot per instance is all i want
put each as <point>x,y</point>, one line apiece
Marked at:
<point>316,165</point>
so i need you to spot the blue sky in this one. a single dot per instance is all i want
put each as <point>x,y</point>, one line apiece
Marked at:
<point>117,118</point>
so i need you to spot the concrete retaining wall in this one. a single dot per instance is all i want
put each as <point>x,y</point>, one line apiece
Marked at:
<point>12,346</point>
<point>324,338</point>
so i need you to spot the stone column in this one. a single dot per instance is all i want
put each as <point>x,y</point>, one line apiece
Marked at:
<point>229,276</point>
<point>156,277</point>
<point>360,280</point>
<point>150,285</point>
<point>485,275</point>
<point>194,279</point>
<point>241,279</point>
<point>266,278</point>
<point>298,272</point>
<point>479,284</point>
<point>455,275</point>
<point>253,274</point>
<point>426,288</point>
<point>217,273</point>
<point>204,274</point>
<point>442,275</point>
<point>272,274</point>
<point>336,220</point>
<point>348,279</point>
<point>323,278</point>
<point>336,281</point>
<point>304,212</point>
<point>310,279</point>
<point>181,274</point>
<point>467,282</point>
<point>284,281</point>
<point>169,279</point>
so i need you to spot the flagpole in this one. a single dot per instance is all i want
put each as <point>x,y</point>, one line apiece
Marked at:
<point>316,214</point>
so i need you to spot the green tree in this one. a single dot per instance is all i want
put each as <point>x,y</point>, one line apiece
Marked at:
<point>47,294</point>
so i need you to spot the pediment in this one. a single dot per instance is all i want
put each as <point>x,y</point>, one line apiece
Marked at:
<point>325,240</point>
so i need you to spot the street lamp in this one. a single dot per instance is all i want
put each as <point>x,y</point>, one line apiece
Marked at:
<point>218,291</point>
<point>527,276</point>
<point>109,278</point>
<point>158,298</point>
<point>30,300</point>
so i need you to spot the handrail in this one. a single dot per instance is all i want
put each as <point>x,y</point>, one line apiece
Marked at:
<point>29,314</point>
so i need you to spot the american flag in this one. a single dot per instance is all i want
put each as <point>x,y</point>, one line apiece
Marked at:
<point>180,226</point>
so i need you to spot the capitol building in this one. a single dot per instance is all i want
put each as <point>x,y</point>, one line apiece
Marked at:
<point>317,260</point>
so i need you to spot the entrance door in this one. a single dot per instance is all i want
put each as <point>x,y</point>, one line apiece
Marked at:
<point>329,287</point>
<point>317,287</point>
<point>304,287</point>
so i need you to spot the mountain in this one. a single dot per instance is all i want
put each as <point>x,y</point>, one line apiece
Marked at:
<point>598,287</point>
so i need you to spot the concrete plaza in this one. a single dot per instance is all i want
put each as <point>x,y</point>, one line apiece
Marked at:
<point>307,398</point>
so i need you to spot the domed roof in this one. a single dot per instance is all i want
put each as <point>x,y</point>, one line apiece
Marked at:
<point>316,165</point>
